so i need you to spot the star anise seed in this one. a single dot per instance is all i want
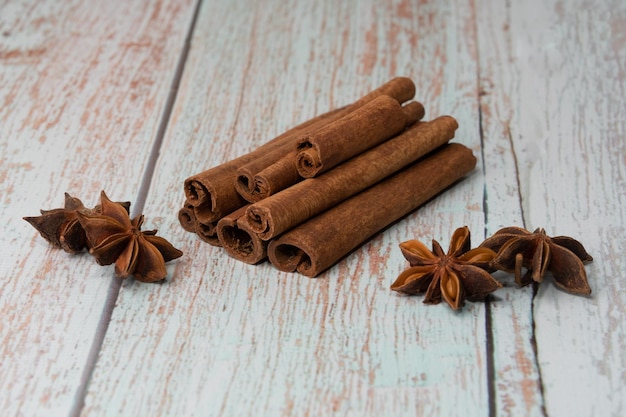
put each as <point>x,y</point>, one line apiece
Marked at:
<point>60,227</point>
<point>458,275</point>
<point>114,238</point>
<point>519,248</point>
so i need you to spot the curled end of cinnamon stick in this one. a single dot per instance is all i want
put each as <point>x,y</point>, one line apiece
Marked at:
<point>196,193</point>
<point>263,188</point>
<point>205,214</point>
<point>253,189</point>
<point>187,217</point>
<point>239,241</point>
<point>208,233</point>
<point>276,177</point>
<point>308,162</point>
<point>257,220</point>
<point>290,258</point>
<point>246,186</point>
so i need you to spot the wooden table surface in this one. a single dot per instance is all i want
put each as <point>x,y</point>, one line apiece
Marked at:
<point>134,96</point>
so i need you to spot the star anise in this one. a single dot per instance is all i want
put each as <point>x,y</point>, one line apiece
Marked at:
<point>455,276</point>
<point>114,238</point>
<point>61,228</point>
<point>538,253</point>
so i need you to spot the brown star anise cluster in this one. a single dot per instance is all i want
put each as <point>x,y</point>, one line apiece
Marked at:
<point>464,273</point>
<point>538,253</point>
<point>454,276</point>
<point>61,228</point>
<point>110,236</point>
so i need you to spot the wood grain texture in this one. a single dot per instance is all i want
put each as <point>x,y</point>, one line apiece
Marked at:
<point>554,82</point>
<point>516,383</point>
<point>81,95</point>
<point>224,338</point>
<point>537,88</point>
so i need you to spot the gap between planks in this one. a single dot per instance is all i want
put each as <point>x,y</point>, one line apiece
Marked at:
<point>489,335</point>
<point>489,349</point>
<point>140,201</point>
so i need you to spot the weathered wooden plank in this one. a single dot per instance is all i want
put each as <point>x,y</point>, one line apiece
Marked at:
<point>555,79</point>
<point>82,89</point>
<point>224,338</point>
<point>516,385</point>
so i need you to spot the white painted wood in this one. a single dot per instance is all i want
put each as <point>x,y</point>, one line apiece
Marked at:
<point>554,72</point>
<point>82,91</point>
<point>516,380</point>
<point>82,88</point>
<point>229,339</point>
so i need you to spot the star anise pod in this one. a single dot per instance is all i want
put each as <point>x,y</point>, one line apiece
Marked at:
<point>61,228</point>
<point>114,238</point>
<point>455,276</point>
<point>519,248</point>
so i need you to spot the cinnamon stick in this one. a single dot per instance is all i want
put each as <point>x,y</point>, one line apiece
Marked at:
<point>267,175</point>
<point>320,242</point>
<point>239,241</point>
<point>274,178</point>
<point>208,233</point>
<point>292,206</point>
<point>414,112</point>
<point>260,178</point>
<point>187,217</point>
<point>400,88</point>
<point>283,173</point>
<point>375,122</point>
<point>213,191</point>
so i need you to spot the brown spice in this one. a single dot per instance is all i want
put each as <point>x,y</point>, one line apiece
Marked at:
<point>187,217</point>
<point>455,276</point>
<point>276,170</point>
<point>519,248</point>
<point>267,175</point>
<point>292,206</point>
<point>317,244</point>
<point>239,240</point>
<point>277,177</point>
<point>257,180</point>
<point>400,88</point>
<point>368,126</point>
<point>414,112</point>
<point>61,228</point>
<point>208,232</point>
<point>114,238</point>
<point>213,193</point>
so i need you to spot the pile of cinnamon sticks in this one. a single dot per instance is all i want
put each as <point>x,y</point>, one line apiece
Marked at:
<point>313,194</point>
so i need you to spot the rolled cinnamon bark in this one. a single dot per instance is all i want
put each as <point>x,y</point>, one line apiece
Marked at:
<point>208,233</point>
<point>256,181</point>
<point>267,175</point>
<point>414,112</point>
<point>239,241</point>
<point>274,178</point>
<point>375,122</point>
<point>294,205</point>
<point>187,217</point>
<point>400,88</point>
<point>319,243</point>
<point>213,191</point>
<point>276,171</point>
